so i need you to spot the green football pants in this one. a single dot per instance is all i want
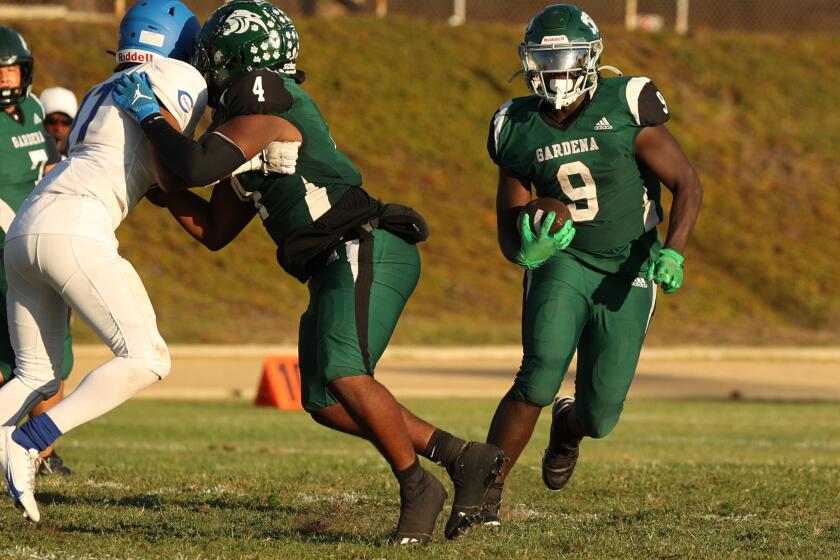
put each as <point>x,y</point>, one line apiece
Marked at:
<point>569,306</point>
<point>354,305</point>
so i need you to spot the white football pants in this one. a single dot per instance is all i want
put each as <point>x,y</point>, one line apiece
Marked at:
<point>46,273</point>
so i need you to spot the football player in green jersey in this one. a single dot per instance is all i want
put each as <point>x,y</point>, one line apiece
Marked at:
<point>357,255</point>
<point>601,147</point>
<point>26,153</point>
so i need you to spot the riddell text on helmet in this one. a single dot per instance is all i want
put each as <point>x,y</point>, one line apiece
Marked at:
<point>134,56</point>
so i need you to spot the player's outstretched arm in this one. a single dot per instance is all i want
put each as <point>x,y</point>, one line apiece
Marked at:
<point>212,158</point>
<point>214,223</point>
<point>511,196</point>
<point>660,151</point>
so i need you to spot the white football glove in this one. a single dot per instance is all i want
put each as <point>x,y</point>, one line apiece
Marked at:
<point>281,157</point>
<point>277,157</point>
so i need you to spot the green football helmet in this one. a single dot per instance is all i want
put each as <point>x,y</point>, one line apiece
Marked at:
<point>14,50</point>
<point>242,36</point>
<point>560,54</point>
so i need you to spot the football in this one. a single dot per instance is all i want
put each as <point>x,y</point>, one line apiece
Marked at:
<point>539,209</point>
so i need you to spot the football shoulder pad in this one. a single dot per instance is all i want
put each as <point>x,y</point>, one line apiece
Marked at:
<point>261,92</point>
<point>503,121</point>
<point>179,88</point>
<point>645,102</point>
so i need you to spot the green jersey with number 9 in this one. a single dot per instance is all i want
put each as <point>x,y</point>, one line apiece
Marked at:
<point>589,162</point>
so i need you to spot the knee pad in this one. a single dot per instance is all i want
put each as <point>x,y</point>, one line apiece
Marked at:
<point>155,359</point>
<point>44,382</point>
<point>599,420</point>
<point>535,390</point>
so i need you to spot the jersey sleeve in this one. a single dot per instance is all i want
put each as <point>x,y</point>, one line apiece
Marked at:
<point>646,102</point>
<point>180,89</point>
<point>53,155</point>
<point>498,133</point>
<point>261,92</point>
<point>39,108</point>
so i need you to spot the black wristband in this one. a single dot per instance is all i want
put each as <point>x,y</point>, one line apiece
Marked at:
<point>148,120</point>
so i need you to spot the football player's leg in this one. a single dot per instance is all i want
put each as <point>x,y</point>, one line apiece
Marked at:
<point>337,418</point>
<point>52,463</point>
<point>555,310</point>
<point>36,332</point>
<point>7,354</point>
<point>315,391</point>
<point>609,352</point>
<point>36,317</point>
<point>396,269</point>
<point>105,291</point>
<point>472,466</point>
<point>349,315</point>
<point>356,302</point>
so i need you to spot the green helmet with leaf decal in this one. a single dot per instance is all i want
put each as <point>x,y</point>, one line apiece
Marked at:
<point>560,54</point>
<point>242,36</point>
<point>14,50</point>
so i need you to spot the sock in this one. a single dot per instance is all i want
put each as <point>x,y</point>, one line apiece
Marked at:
<point>443,448</point>
<point>39,432</point>
<point>411,476</point>
<point>564,432</point>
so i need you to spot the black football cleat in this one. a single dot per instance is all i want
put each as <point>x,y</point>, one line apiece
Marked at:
<point>558,462</point>
<point>473,472</point>
<point>489,515</point>
<point>419,508</point>
<point>53,464</point>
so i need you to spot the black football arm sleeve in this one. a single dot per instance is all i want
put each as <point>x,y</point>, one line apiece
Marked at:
<point>212,158</point>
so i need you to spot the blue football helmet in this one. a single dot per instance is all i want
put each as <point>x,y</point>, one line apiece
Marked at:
<point>157,28</point>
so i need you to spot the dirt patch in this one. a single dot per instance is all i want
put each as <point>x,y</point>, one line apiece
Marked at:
<point>777,373</point>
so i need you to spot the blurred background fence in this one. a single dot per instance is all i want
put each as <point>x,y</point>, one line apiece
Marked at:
<point>800,16</point>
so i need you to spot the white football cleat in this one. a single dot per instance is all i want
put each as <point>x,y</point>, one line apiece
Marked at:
<point>19,467</point>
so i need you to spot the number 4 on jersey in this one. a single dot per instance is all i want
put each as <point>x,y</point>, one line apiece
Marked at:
<point>258,89</point>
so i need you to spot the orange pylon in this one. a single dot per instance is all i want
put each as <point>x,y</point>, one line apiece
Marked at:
<point>280,383</point>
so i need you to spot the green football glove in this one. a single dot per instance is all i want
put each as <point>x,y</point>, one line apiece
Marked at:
<point>667,270</point>
<point>535,250</point>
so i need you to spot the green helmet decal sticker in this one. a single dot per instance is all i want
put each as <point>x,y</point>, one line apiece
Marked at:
<point>242,36</point>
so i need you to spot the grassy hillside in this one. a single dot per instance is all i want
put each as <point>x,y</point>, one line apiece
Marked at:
<point>410,101</point>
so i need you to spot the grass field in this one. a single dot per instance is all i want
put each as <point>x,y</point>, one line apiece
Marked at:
<point>677,479</point>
